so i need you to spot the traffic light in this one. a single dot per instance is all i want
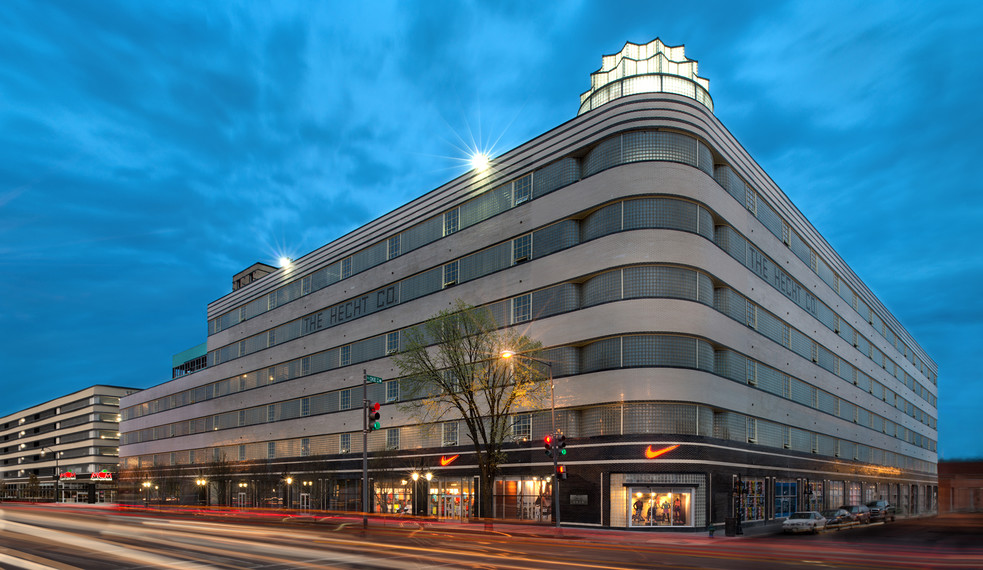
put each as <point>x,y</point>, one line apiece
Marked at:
<point>561,444</point>
<point>548,444</point>
<point>561,472</point>
<point>374,416</point>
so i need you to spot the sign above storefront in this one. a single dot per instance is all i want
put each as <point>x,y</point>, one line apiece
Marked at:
<point>66,476</point>
<point>445,461</point>
<point>103,475</point>
<point>653,453</point>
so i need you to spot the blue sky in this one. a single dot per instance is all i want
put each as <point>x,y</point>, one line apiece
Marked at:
<point>151,150</point>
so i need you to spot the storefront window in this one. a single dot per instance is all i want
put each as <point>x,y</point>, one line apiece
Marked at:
<point>814,496</point>
<point>853,493</point>
<point>786,498</point>
<point>752,500</point>
<point>524,499</point>
<point>835,494</point>
<point>653,506</point>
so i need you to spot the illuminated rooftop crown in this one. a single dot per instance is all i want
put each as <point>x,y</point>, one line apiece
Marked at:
<point>650,68</point>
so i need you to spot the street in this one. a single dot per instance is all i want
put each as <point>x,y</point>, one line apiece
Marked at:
<point>64,537</point>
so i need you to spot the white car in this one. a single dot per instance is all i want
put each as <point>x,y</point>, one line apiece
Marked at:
<point>804,521</point>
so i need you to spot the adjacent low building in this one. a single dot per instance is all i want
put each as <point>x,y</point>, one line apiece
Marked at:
<point>713,356</point>
<point>66,449</point>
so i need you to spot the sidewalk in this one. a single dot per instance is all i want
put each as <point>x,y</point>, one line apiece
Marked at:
<point>581,533</point>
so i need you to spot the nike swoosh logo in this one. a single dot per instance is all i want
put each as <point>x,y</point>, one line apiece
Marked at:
<point>445,461</point>
<point>652,454</point>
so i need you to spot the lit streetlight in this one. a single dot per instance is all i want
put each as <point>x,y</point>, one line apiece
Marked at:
<point>57,474</point>
<point>290,497</point>
<point>202,483</point>
<point>508,354</point>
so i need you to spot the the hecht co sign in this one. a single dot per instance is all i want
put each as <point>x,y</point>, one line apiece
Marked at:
<point>103,475</point>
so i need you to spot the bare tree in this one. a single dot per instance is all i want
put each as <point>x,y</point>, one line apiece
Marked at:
<point>454,371</point>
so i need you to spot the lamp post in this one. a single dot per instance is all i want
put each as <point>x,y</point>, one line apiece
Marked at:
<point>507,354</point>
<point>202,483</point>
<point>57,475</point>
<point>290,497</point>
<point>146,487</point>
<point>428,477</point>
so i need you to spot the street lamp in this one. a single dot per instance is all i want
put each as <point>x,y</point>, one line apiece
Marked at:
<point>146,486</point>
<point>290,497</point>
<point>202,483</point>
<point>507,354</point>
<point>57,475</point>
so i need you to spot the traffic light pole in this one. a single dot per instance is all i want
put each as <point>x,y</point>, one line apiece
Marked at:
<point>365,449</point>
<point>556,449</point>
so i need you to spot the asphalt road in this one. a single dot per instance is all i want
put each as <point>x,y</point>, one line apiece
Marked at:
<point>64,537</point>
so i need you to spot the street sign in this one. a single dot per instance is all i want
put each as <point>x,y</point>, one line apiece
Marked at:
<point>373,379</point>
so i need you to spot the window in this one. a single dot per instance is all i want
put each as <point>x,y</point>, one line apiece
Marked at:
<point>345,355</point>
<point>751,315</point>
<point>271,413</point>
<point>751,369</point>
<point>521,248</point>
<point>450,222</point>
<point>786,335</point>
<point>450,433</point>
<point>392,391</point>
<point>271,301</point>
<point>345,443</point>
<point>305,366</point>
<point>392,342</point>
<point>450,274</point>
<point>752,430</point>
<point>305,447</point>
<point>305,406</point>
<point>786,437</point>
<point>392,438</point>
<point>305,285</point>
<point>750,199</point>
<point>522,190</point>
<point>522,427</point>
<point>451,382</point>
<point>242,453</point>
<point>345,398</point>
<point>242,417</point>
<point>271,450</point>
<point>346,268</point>
<point>786,234</point>
<point>393,247</point>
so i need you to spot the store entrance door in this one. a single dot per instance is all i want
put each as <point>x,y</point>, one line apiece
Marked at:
<point>451,498</point>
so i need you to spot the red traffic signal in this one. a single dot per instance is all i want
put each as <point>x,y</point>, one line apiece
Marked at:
<point>374,415</point>
<point>561,471</point>
<point>548,444</point>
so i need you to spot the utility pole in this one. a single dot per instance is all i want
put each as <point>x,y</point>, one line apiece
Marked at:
<point>365,449</point>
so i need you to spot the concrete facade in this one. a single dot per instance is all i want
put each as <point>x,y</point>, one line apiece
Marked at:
<point>683,300</point>
<point>70,443</point>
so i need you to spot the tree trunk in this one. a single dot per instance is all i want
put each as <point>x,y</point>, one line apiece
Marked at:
<point>487,496</point>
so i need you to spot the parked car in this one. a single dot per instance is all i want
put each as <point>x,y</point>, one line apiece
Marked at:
<point>882,511</point>
<point>859,513</point>
<point>804,521</point>
<point>837,517</point>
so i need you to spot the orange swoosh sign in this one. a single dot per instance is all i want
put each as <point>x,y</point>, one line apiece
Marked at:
<point>652,454</point>
<point>445,461</point>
